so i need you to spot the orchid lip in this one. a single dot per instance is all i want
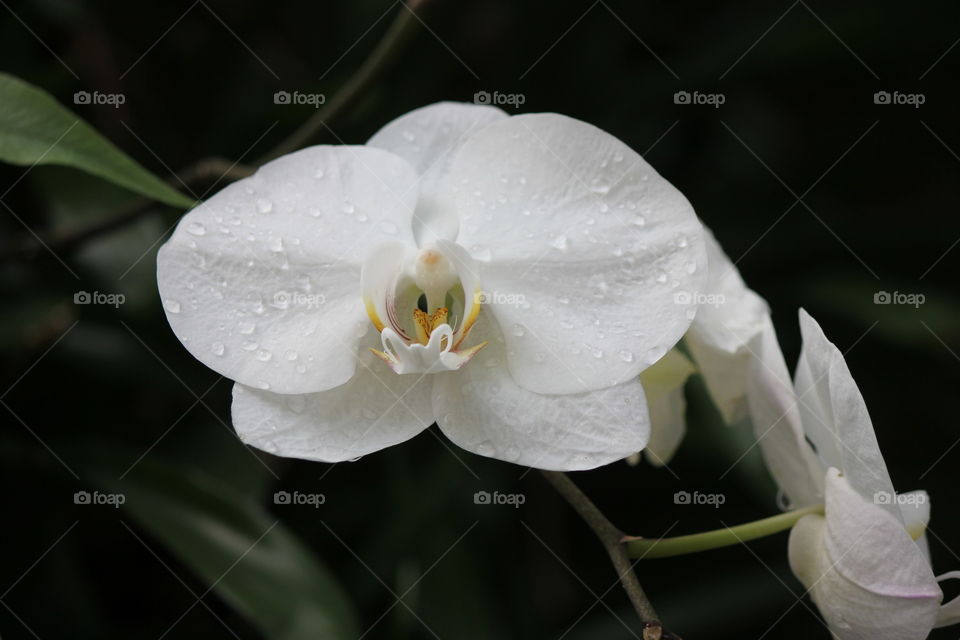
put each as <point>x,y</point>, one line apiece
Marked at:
<point>409,293</point>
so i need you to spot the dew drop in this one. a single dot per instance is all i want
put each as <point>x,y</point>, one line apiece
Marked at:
<point>518,330</point>
<point>172,306</point>
<point>246,327</point>
<point>291,355</point>
<point>318,174</point>
<point>348,207</point>
<point>218,348</point>
<point>626,356</point>
<point>263,355</point>
<point>264,205</point>
<point>560,242</point>
<point>690,267</point>
<point>639,221</point>
<point>197,229</point>
<point>250,345</point>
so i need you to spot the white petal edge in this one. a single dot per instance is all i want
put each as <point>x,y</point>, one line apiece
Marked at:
<point>835,416</point>
<point>663,385</point>
<point>776,422</point>
<point>600,252</point>
<point>261,282</point>
<point>428,138</point>
<point>483,410</point>
<point>374,410</point>
<point>729,316</point>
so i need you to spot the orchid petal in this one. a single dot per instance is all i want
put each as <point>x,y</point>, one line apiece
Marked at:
<point>428,138</point>
<point>729,316</point>
<point>663,385</point>
<point>776,422</point>
<point>374,410</point>
<point>865,574</point>
<point>599,252</point>
<point>481,409</point>
<point>835,417</point>
<point>261,281</point>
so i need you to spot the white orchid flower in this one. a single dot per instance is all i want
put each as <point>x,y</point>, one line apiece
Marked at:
<point>864,562</point>
<point>506,277</point>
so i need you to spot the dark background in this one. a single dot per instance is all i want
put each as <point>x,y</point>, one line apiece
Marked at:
<point>88,390</point>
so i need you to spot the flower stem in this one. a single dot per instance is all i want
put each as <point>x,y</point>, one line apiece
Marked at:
<point>645,548</point>
<point>384,54</point>
<point>612,540</point>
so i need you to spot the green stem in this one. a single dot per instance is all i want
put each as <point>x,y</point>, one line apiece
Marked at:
<point>681,545</point>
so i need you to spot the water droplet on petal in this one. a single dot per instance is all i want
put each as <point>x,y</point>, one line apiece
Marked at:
<point>518,330</point>
<point>263,355</point>
<point>264,205</point>
<point>560,242</point>
<point>195,228</point>
<point>218,348</point>
<point>172,306</point>
<point>626,356</point>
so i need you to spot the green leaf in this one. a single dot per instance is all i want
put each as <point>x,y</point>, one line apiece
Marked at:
<point>36,129</point>
<point>252,561</point>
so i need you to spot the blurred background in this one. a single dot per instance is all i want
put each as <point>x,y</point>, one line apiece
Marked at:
<point>826,193</point>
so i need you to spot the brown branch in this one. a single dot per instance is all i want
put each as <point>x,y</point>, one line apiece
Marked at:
<point>613,541</point>
<point>379,60</point>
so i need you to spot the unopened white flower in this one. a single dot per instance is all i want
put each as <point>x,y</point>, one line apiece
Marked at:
<point>864,562</point>
<point>506,277</point>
